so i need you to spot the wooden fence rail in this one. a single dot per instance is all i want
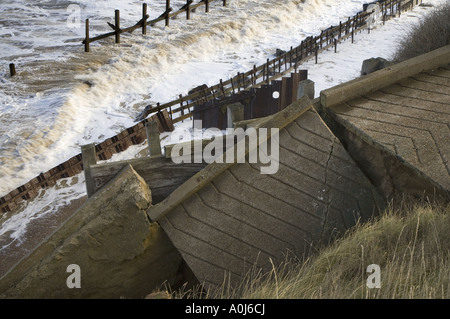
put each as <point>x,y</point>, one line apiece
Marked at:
<point>144,22</point>
<point>309,48</point>
<point>182,108</point>
<point>134,135</point>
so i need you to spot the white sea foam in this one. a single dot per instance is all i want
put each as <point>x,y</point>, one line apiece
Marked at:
<point>46,204</point>
<point>44,126</point>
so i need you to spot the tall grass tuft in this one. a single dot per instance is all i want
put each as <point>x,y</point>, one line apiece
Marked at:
<point>430,34</point>
<point>411,245</point>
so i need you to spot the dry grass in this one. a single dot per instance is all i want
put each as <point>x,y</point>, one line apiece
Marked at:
<point>411,246</point>
<point>432,33</point>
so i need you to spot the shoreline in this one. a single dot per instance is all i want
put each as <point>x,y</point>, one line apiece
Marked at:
<point>38,230</point>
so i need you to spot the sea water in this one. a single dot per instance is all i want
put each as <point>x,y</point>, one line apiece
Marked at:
<point>63,97</point>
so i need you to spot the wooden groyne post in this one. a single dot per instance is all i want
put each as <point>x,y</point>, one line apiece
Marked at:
<point>188,9</point>
<point>167,12</point>
<point>144,18</point>
<point>12,69</point>
<point>89,159</point>
<point>86,41</point>
<point>154,143</point>
<point>117,25</point>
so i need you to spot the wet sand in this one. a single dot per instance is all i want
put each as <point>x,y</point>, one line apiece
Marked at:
<point>37,231</point>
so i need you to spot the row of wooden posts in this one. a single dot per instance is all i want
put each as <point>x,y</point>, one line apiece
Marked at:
<point>263,74</point>
<point>391,5</point>
<point>143,23</point>
<point>134,135</point>
<point>181,108</point>
<point>90,158</point>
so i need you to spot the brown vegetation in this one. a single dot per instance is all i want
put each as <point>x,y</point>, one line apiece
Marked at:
<point>430,34</point>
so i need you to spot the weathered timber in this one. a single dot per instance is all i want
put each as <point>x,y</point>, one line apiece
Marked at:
<point>145,16</point>
<point>117,26</point>
<point>12,69</point>
<point>164,16</point>
<point>188,9</point>
<point>86,41</point>
<point>89,159</point>
<point>154,143</point>
<point>168,9</point>
<point>112,26</point>
<point>161,174</point>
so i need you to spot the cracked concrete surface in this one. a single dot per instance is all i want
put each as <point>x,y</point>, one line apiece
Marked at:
<point>240,218</point>
<point>227,219</point>
<point>112,241</point>
<point>408,121</point>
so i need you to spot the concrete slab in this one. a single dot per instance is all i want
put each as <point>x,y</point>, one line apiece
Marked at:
<point>229,218</point>
<point>111,241</point>
<point>407,120</point>
<point>385,77</point>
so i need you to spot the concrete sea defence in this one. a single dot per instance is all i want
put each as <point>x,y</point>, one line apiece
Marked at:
<point>342,158</point>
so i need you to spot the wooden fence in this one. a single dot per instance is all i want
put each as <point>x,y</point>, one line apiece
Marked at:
<point>105,150</point>
<point>253,103</point>
<point>281,65</point>
<point>144,22</point>
<point>180,109</point>
<point>161,173</point>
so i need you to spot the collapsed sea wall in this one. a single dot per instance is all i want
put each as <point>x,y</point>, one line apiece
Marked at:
<point>392,125</point>
<point>118,252</point>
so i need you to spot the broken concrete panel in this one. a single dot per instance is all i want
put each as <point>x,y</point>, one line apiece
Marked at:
<point>383,78</point>
<point>399,134</point>
<point>235,113</point>
<point>118,251</point>
<point>229,218</point>
<point>306,87</point>
<point>374,64</point>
